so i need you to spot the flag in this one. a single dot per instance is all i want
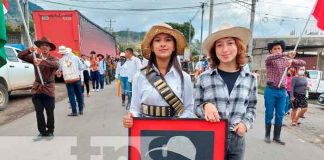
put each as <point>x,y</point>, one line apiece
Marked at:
<point>319,14</point>
<point>3,35</point>
<point>5,6</point>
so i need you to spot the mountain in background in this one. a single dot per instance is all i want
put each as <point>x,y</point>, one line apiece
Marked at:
<point>13,15</point>
<point>127,39</point>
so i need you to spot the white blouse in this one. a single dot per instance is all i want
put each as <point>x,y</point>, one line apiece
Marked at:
<point>121,70</point>
<point>144,92</point>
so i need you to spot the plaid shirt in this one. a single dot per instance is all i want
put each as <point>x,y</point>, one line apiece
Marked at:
<point>275,65</point>
<point>239,106</point>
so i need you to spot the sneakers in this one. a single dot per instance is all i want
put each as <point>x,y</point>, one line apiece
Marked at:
<point>72,114</point>
<point>92,90</point>
<point>97,90</point>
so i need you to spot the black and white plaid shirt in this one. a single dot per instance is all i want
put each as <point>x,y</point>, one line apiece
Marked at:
<point>239,106</point>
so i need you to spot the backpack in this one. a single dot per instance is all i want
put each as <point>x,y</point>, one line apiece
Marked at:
<point>71,73</point>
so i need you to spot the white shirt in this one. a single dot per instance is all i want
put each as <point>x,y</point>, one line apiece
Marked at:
<point>121,70</point>
<point>133,66</point>
<point>75,61</point>
<point>144,92</point>
<point>144,62</point>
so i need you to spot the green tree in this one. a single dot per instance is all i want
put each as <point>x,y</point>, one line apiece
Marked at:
<point>184,28</point>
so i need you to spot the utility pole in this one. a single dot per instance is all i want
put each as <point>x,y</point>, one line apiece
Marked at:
<point>190,24</point>
<point>211,17</point>
<point>202,25</point>
<point>252,28</point>
<point>110,21</point>
<point>26,12</point>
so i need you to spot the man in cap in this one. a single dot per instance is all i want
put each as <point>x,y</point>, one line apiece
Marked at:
<point>72,68</point>
<point>43,94</point>
<point>275,95</point>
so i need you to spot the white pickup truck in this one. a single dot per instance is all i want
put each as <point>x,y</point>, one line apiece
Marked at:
<point>15,75</point>
<point>316,76</point>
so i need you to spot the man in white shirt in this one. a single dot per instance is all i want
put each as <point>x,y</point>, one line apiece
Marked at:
<point>134,65</point>
<point>71,67</point>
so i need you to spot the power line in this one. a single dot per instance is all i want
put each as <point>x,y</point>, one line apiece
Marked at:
<point>100,1</point>
<point>124,9</point>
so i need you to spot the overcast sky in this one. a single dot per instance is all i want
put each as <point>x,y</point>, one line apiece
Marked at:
<point>273,18</point>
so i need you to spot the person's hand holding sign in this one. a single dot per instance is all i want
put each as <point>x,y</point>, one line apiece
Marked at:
<point>211,113</point>
<point>128,120</point>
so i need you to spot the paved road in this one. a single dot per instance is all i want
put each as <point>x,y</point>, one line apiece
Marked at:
<point>99,135</point>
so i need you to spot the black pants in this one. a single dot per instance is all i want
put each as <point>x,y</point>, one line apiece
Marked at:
<point>86,81</point>
<point>41,102</point>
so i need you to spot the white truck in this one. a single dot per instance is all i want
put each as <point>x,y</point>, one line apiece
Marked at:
<point>316,76</point>
<point>15,75</point>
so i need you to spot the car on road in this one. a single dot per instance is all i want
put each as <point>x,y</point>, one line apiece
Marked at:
<point>15,75</point>
<point>321,100</point>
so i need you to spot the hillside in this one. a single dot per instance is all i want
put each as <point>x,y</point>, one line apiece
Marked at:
<point>13,15</point>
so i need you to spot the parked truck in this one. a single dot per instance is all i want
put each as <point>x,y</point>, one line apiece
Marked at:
<point>316,76</point>
<point>15,75</point>
<point>74,30</point>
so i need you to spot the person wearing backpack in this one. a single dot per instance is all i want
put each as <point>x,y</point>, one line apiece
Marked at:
<point>71,67</point>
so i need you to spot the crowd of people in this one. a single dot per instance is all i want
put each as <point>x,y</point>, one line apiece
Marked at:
<point>155,84</point>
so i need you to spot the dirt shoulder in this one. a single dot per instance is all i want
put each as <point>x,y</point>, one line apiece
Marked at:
<point>20,104</point>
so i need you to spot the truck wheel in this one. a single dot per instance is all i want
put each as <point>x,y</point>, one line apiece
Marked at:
<point>4,97</point>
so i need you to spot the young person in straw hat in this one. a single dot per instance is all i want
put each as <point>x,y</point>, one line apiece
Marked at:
<point>226,90</point>
<point>121,73</point>
<point>161,89</point>
<point>43,95</point>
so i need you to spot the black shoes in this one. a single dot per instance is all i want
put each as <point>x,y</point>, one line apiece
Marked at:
<point>73,114</point>
<point>81,112</point>
<point>267,134</point>
<point>50,134</point>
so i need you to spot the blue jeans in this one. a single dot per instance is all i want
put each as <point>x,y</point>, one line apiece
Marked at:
<point>123,83</point>
<point>235,146</point>
<point>275,103</point>
<point>95,79</point>
<point>102,80</point>
<point>129,92</point>
<point>75,90</point>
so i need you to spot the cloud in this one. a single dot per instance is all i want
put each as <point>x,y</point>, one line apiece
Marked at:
<point>272,17</point>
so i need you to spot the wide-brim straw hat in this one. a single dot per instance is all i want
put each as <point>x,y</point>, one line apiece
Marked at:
<point>167,29</point>
<point>43,40</point>
<point>227,30</point>
<point>122,54</point>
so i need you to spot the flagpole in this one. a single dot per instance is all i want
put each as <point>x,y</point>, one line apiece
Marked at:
<point>29,40</point>
<point>295,49</point>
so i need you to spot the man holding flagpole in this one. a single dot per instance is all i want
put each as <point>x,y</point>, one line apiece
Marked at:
<point>275,94</point>
<point>43,94</point>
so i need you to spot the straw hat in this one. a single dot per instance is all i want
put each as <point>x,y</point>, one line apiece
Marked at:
<point>167,29</point>
<point>43,40</point>
<point>227,30</point>
<point>62,50</point>
<point>122,54</point>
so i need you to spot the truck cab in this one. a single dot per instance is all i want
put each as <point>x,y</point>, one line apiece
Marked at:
<point>15,75</point>
<point>316,76</point>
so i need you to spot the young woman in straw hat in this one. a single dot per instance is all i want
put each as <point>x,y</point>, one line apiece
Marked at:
<point>160,46</point>
<point>226,90</point>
